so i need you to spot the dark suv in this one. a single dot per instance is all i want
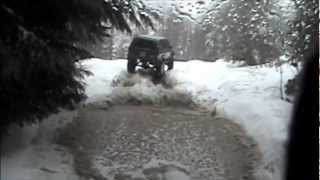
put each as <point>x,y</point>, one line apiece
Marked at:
<point>150,52</point>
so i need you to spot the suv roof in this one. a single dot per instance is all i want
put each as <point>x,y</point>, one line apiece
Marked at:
<point>149,37</point>
<point>150,42</point>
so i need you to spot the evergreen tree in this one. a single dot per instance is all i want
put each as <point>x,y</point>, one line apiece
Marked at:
<point>304,32</point>
<point>40,43</point>
<point>240,30</point>
<point>303,39</point>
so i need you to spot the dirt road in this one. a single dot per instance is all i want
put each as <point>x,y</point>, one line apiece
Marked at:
<point>127,142</point>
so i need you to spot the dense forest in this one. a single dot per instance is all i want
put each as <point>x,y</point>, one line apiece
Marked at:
<point>254,31</point>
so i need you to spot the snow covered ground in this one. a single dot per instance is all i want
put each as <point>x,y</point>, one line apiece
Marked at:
<point>31,153</point>
<point>248,95</point>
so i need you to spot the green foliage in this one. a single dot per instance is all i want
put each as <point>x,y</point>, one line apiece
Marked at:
<point>40,44</point>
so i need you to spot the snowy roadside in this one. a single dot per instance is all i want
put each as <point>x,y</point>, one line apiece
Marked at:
<point>248,95</point>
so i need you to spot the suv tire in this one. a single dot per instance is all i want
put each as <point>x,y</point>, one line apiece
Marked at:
<point>131,66</point>
<point>160,70</point>
<point>170,64</point>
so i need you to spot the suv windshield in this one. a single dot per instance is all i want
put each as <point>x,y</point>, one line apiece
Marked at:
<point>142,43</point>
<point>165,44</point>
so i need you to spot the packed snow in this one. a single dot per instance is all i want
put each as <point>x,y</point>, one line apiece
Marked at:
<point>248,95</point>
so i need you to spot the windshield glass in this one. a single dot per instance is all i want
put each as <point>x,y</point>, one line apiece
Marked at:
<point>142,43</point>
<point>154,89</point>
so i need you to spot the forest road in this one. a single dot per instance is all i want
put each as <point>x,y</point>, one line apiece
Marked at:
<point>127,142</point>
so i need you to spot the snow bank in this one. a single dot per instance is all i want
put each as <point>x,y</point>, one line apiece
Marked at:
<point>99,85</point>
<point>248,95</point>
<point>141,89</point>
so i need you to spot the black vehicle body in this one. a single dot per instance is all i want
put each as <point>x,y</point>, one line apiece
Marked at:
<point>150,52</point>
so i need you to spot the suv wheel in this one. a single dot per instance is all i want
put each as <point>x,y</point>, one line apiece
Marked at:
<point>131,66</point>
<point>170,64</point>
<point>160,70</point>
